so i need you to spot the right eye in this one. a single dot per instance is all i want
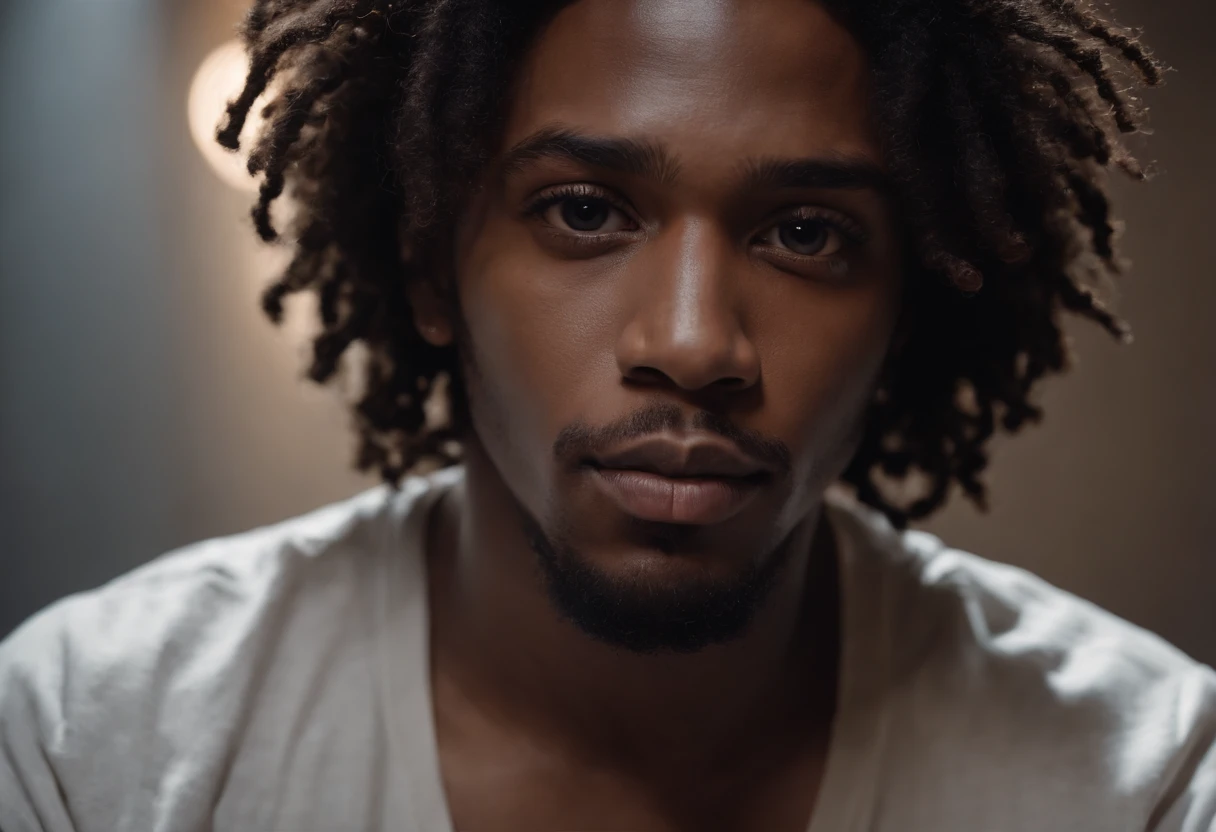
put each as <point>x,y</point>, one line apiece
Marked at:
<point>584,214</point>
<point>579,211</point>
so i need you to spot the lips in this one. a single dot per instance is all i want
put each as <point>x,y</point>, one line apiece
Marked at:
<point>697,481</point>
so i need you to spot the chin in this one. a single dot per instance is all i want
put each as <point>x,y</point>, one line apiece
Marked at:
<point>661,588</point>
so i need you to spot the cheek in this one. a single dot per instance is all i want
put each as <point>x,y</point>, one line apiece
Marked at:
<point>539,338</point>
<point>822,353</point>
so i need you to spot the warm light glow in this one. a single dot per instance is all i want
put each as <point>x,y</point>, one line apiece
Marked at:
<point>219,79</point>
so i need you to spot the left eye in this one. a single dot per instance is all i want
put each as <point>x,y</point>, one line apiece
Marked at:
<point>809,237</point>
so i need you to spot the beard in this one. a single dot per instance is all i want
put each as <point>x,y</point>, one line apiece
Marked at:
<point>643,616</point>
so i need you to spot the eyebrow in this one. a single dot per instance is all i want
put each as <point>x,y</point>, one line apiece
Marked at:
<point>631,156</point>
<point>831,173</point>
<point>653,161</point>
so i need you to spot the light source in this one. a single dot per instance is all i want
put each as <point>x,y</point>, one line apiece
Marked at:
<point>219,79</point>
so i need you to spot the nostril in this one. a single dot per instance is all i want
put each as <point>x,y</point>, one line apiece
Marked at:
<point>654,376</point>
<point>646,375</point>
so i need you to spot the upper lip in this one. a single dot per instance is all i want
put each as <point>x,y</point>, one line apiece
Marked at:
<point>688,457</point>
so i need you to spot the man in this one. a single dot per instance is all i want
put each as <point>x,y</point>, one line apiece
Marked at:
<point>656,274</point>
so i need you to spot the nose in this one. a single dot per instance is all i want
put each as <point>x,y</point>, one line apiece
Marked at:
<point>686,328</point>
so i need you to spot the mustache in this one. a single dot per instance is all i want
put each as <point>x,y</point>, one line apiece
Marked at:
<point>578,441</point>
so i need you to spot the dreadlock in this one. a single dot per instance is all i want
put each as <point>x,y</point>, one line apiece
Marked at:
<point>1000,119</point>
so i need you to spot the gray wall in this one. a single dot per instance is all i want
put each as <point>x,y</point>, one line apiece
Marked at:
<point>88,362</point>
<point>144,402</point>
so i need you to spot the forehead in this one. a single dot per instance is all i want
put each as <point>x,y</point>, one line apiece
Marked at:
<point>712,78</point>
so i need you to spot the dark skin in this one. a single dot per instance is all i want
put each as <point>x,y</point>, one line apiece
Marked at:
<point>749,269</point>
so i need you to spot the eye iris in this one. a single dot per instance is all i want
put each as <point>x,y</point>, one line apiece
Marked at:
<point>584,214</point>
<point>804,236</point>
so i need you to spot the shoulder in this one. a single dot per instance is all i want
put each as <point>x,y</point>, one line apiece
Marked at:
<point>149,614</point>
<point>165,659</point>
<point>1054,684</point>
<point>964,603</point>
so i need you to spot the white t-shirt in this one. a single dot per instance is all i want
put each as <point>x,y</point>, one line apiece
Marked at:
<point>277,681</point>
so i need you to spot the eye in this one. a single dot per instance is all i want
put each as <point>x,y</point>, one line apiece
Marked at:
<point>580,209</point>
<point>806,236</point>
<point>583,214</point>
<point>811,240</point>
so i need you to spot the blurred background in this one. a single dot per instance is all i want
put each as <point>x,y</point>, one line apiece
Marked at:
<point>145,402</point>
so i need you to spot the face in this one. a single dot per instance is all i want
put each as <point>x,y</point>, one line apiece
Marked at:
<point>678,282</point>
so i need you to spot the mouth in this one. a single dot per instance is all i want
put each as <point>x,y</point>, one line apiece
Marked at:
<point>697,482</point>
<point>687,500</point>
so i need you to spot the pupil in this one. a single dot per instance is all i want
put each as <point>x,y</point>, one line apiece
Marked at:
<point>804,236</point>
<point>584,214</point>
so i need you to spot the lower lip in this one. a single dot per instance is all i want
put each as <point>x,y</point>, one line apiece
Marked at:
<point>662,499</point>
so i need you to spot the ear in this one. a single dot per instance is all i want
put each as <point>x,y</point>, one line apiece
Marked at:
<point>432,316</point>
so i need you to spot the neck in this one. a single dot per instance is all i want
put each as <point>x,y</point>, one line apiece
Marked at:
<point>501,649</point>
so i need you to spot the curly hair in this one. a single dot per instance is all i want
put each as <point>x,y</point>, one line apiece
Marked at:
<point>999,120</point>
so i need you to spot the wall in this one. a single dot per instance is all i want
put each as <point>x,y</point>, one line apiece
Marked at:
<point>144,400</point>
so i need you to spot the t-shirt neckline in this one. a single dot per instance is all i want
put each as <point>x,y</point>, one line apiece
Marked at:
<point>846,797</point>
